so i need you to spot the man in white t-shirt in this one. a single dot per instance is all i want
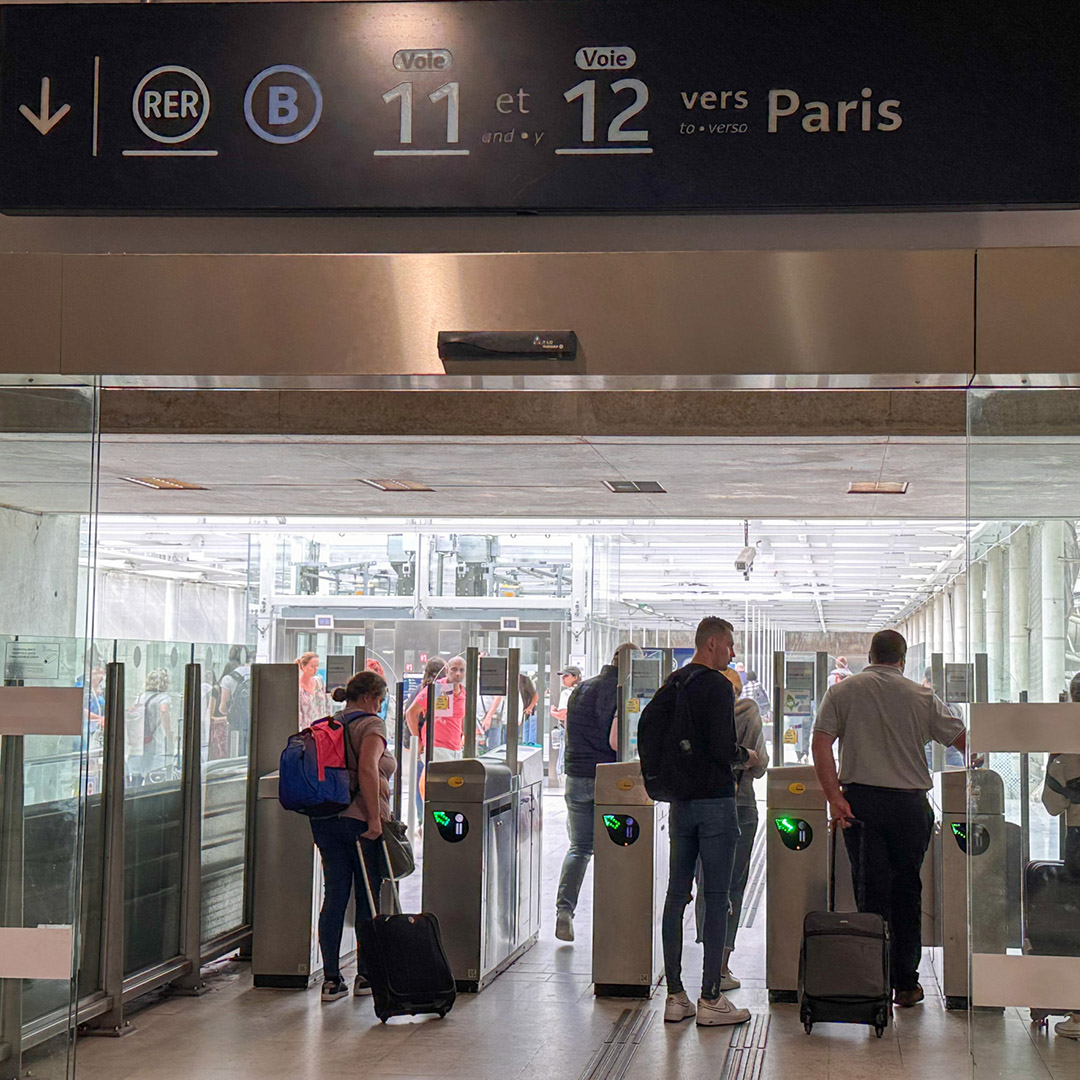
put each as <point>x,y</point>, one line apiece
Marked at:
<point>882,722</point>
<point>570,676</point>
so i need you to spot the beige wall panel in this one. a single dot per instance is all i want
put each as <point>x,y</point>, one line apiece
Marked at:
<point>1028,310</point>
<point>29,314</point>
<point>681,313</point>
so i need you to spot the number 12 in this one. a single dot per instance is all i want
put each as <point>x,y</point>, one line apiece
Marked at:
<point>587,92</point>
<point>403,92</point>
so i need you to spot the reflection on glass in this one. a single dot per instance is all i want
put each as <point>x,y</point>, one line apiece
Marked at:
<point>224,791</point>
<point>153,812</point>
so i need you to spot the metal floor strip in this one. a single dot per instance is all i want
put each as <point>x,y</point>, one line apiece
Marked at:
<point>745,1058</point>
<point>755,887</point>
<point>612,1060</point>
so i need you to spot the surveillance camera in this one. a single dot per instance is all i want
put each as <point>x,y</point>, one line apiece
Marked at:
<point>745,560</point>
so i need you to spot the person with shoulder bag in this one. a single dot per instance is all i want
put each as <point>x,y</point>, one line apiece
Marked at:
<point>358,829</point>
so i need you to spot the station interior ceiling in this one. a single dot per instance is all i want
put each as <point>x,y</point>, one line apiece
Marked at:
<point>827,559</point>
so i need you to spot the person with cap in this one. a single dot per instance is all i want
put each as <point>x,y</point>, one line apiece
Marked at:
<point>591,740</point>
<point>570,677</point>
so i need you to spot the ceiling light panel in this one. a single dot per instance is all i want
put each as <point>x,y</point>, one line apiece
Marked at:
<point>878,487</point>
<point>163,483</point>
<point>387,484</point>
<point>635,487</point>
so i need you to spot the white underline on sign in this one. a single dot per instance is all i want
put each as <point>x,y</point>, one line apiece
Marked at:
<point>97,87</point>
<point>599,151</point>
<point>421,153</point>
<point>170,153</point>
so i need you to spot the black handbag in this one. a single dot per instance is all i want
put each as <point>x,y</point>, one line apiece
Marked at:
<point>398,848</point>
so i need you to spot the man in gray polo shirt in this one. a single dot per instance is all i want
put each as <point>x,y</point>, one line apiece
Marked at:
<point>883,721</point>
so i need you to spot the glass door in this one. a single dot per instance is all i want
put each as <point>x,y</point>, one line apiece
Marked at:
<point>50,843</point>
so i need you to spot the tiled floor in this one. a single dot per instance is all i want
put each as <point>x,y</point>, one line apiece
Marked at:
<point>540,1021</point>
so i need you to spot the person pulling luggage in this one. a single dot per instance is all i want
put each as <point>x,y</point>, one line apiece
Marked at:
<point>341,838</point>
<point>882,721</point>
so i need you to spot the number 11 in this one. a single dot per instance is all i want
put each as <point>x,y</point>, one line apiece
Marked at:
<point>403,92</point>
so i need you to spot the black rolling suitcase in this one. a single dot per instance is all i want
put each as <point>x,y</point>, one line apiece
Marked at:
<point>844,975</point>
<point>406,963</point>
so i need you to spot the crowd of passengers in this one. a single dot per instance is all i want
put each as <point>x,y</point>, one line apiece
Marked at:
<point>881,721</point>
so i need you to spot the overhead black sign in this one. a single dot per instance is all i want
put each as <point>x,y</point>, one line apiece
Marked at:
<point>539,105</point>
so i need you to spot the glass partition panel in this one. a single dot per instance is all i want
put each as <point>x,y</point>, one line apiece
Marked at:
<point>645,674</point>
<point>225,769</point>
<point>1023,823</point>
<point>47,834</point>
<point>153,805</point>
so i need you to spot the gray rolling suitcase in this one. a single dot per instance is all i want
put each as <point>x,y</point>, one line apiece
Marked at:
<point>844,975</point>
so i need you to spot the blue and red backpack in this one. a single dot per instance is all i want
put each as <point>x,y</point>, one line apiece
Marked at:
<point>314,777</point>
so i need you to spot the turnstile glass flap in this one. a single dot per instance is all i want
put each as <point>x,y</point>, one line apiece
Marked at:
<point>268,786</point>
<point>530,763</point>
<point>621,782</point>
<point>472,780</point>
<point>794,787</point>
<point>987,791</point>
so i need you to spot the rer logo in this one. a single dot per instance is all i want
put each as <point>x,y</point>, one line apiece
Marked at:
<point>171,104</point>
<point>283,104</point>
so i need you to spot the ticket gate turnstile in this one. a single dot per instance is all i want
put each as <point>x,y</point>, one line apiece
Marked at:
<point>630,844</point>
<point>984,838</point>
<point>482,860</point>
<point>288,896</point>
<point>797,871</point>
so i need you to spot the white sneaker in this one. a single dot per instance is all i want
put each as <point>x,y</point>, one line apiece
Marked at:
<point>1069,1029</point>
<point>728,981</point>
<point>719,1012</point>
<point>564,926</point>
<point>678,1008</point>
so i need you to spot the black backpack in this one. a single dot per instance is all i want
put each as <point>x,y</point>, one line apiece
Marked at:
<point>674,761</point>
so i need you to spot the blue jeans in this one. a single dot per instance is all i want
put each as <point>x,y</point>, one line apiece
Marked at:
<point>336,840</point>
<point>579,823</point>
<point>709,829</point>
<point>740,875</point>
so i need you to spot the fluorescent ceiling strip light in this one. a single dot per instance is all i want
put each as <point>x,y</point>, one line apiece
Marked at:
<point>163,483</point>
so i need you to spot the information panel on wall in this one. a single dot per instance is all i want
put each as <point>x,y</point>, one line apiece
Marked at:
<point>539,105</point>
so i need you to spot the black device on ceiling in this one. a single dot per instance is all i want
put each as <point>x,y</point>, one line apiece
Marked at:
<point>507,345</point>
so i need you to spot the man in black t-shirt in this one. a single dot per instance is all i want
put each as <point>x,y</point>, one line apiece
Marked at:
<point>590,741</point>
<point>704,824</point>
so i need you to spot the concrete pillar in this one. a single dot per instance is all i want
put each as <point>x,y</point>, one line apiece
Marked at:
<point>937,632</point>
<point>995,621</point>
<point>1019,580</point>
<point>960,619</point>
<point>1053,610</point>
<point>977,606</point>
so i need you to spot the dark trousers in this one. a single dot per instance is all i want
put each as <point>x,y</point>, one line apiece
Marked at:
<point>896,831</point>
<point>336,840</point>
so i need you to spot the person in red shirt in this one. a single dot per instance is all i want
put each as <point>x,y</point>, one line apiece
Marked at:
<point>449,713</point>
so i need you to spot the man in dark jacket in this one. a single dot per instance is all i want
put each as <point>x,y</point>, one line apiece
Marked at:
<point>590,717</point>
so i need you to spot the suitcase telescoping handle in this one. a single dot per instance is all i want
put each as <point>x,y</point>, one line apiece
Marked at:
<point>835,833</point>
<point>367,880</point>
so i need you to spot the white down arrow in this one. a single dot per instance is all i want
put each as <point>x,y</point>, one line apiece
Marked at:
<point>42,120</point>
